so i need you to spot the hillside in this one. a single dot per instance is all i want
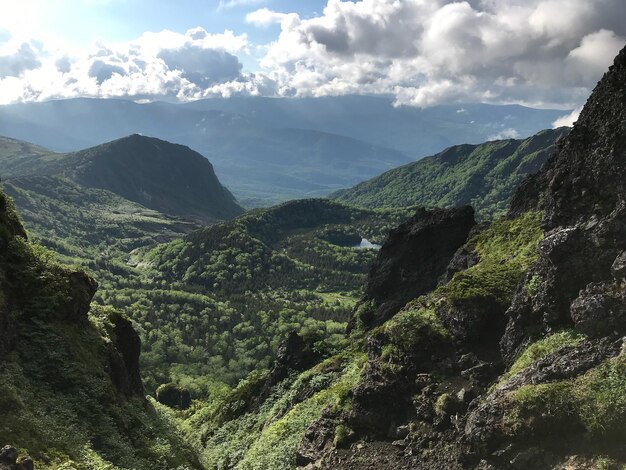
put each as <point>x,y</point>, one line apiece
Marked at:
<point>216,303</point>
<point>484,346</point>
<point>88,226</point>
<point>212,306</point>
<point>267,150</point>
<point>71,392</point>
<point>165,177</point>
<point>483,175</point>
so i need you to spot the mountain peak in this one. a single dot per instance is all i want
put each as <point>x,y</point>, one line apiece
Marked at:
<point>160,175</point>
<point>587,175</point>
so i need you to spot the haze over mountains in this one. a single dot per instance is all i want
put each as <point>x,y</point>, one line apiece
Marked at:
<point>267,150</point>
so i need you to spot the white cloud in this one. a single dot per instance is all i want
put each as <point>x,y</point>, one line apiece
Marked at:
<point>15,62</point>
<point>426,52</point>
<point>568,119</point>
<point>264,17</point>
<point>156,65</point>
<point>547,53</point>
<point>509,133</point>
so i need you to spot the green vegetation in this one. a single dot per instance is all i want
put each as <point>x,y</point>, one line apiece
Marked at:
<point>415,327</point>
<point>165,177</point>
<point>269,436</point>
<point>61,402</point>
<point>484,176</point>
<point>220,300</point>
<point>506,249</point>
<point>595,400</point>
<point>542,348</point>
<point>212,306</point>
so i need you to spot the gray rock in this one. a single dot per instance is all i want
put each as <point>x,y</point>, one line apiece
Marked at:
<point>618,269</point>
<point>8,455</point>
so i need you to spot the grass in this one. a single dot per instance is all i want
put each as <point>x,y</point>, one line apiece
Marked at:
<point>276,446</point>
<point>412,329</point>
<point>594,402</point>
<point>506,249</point>
<point>268,437</point>
<point>542,348</point>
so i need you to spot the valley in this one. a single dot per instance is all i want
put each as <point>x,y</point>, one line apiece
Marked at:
<point>463,311</point>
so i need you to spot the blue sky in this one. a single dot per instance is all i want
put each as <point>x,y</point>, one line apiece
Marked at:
<point>83,22</point>
<point>539,53</point>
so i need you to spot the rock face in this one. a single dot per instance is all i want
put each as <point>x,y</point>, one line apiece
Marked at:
<point>436,397</point>
<point>428,241</point>
<point>124,357</point>
<point>583,188</point>
<point>294,354</point>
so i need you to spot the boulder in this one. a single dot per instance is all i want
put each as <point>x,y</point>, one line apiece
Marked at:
<point>410,262</point>
<point>173,396</point>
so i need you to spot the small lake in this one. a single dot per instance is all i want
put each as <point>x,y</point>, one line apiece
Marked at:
<point>365,243</point>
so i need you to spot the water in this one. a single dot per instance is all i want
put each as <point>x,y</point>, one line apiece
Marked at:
<point>365,243</point>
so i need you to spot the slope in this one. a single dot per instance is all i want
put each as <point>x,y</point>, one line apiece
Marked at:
<point>156,174</point>
<point>508,353</point>
<point>483,175</point>
<point>71,390</point>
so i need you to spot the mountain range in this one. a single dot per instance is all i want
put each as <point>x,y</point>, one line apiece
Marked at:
<point>269,150</point>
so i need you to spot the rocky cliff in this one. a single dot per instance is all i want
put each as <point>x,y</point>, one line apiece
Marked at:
<point>516,358</point>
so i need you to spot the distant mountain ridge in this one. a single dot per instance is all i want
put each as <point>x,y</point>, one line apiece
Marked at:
<point>483,175</point>
<point>166,177</point>
<point>268,150</point>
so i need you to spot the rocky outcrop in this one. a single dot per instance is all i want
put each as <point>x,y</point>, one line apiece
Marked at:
<point>124,356</point>
<point>582,190</point>
<point>82,288</point>
<point>428,241</point>
<point>9,460</point>
<point>294,354</point>
<point>491,435</point>
<point>440,400</point>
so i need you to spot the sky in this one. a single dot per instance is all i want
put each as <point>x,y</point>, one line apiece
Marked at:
<point>539,53</point>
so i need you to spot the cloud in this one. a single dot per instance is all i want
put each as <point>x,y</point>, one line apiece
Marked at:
<point>264,17</point>
<point>533,52</point>
<point>509,133</point>
<point>14,63</point>
<point>163,65</point>
<point>545,53</point>
<point>103,71</point>
<point>568,120</point>
<point>202,67</point>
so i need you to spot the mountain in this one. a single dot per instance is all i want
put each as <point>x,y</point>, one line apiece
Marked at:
<point>165,177</point>
<point>483,175</point>
<point>71,391</point>
<point>495,345</point>
<point>267,150</point>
